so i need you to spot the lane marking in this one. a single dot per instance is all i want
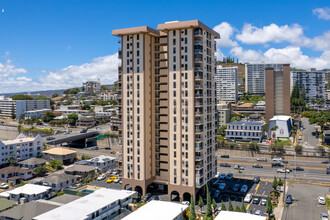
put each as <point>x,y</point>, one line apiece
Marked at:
<point>257,187</point>
<point>248,206</point>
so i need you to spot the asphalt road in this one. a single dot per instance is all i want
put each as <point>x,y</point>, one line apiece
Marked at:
<point>305,205</point>
<point>308,140</point>
<point>314,175</point>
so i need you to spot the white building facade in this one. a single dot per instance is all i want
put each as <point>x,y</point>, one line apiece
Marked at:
<point>313,83</point>
<point>21,148</point>
<point>245,130</point>
<point>17,108</point>
<point>255,77</point>
<point>102,162</point>
<point>284,126</point>
<point>226,79</point>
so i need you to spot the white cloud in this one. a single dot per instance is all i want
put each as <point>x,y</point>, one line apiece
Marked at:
<point>321,43</point>
<point>322,13</point>
<point>290,54</point>
<point>271,33</point>
<point>8,69</point>
<point>103,68</point>
<point>226,32</point>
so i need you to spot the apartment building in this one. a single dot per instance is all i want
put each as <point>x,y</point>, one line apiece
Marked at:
<point>224,113</point>
<point>167,98</point>
<point>21,148</point>
<point>226,80</point>
<point>92,87</point>
<point>17,108</point>
<point>277,91</point>
<point>255,77</point>
<point>312,82</point>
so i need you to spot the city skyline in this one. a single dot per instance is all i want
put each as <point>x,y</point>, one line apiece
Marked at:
<point>58,45</point>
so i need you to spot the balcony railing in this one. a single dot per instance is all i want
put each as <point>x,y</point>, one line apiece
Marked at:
<point>200,42</point>
<point>198,157</point>
<point>198,68</point>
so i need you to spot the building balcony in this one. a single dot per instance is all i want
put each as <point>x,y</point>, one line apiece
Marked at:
<point>198,42</point>
<point>199,174</point>
<point>163,142</point>
<point>198,77</point>
<point>199,130</point>
<point>198,95</point>
<point>163,103</point>
<point>198,68</point>
<point>198,140</point>
<point>198,51</point>
<point>198,158</point>
<point>198,33</point>
<point>199,166</point>
<point>199,113</point>
<point>198,121</point>
<point>198,86</point>
<point>198,104</point>
<point>198,60</point>
<point>163,127</point>
<point>199,147</point>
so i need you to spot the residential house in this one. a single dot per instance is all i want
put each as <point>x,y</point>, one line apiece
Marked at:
<point>58,181</point>
<point>64,155</point>
<point>15,175</point>
<point>28,192</point>
<point>81,170</point>
<point>32,163</point>
<point>102,162</point>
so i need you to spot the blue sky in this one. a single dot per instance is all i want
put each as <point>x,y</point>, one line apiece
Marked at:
<point>58,44</point>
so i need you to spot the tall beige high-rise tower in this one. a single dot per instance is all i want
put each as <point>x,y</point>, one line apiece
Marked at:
<point>168,104</point>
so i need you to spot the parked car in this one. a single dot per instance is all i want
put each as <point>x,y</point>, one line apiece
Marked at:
<point>222,186</point>
<point>50,138</point>
<point>277,165</point>
<point>263,201</point>
<point>244,189</point>
<point>225,165</point>
<point>238,167</point>
<point>146,197</point>
<point>67,132</point>
<point>111,179</point>
<point>257,212</point>
<point>216,194</point>
<point>116,180</point>
<point>153,198</point>
<point>262,159</point>
<point>283,170</point>
<point>321,200</point>
<point>222,176</point>
<point>229,176</point>
<point>101,177</point>
<point>185,203</point>
<point>300,137</point>
<point>109,171</point>
<point>328,170</point>
<point>224,156</point>
<point>248,198</point>
<point>4,186</point>
<point>326,162</point>
<point>324,216</point>
<point>115,172</point>
<point>257,166</point>
<point>256,179</point>
<point>288,199</point>
<point>236,187</point>
<point>298,169</point>
<point>256,200</point>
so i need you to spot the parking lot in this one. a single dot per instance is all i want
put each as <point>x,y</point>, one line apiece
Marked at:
<point>103,183</point>
<point>261,189</point>
<point>305,204</point>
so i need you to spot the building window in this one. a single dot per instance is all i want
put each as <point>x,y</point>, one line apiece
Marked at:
<point>138,69</point>
<point>174,33</point>
<point>137,53</point>
<point>174,50</point>
<point>185,31</point>
<point>174,67</point>
<point>174,59</point>
<point>138,61</point>
<point>137,37</point>
<point>137,45</point>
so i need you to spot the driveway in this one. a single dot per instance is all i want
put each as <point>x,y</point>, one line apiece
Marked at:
<point>305,205</point>
<point>308,140</point>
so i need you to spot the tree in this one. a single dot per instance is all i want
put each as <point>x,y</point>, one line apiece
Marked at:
<point>49,116</point>
<point>230,206</point>
<point>223,206</point>
<point>222,130</point>
<point>243,209</point>
<point>72,118</point>
<point>11,160</point>
<point>200,203</point>
<point>55,95</point>
<point>56,164</point>
<point>253,146</point>
<point>280,182</point>
<point>60,193</point>
<point>192,214</point>
<point>21,97</point>
<point>40,171</point>
<point>214,205</point>
<point>103,87</point>
<point>41,97</point>
<point>208,204</point>
<point>79,194</point>
<point>269,206</point>
<point>275,184</point>
<point>298,148</point>
<point>237,208</point>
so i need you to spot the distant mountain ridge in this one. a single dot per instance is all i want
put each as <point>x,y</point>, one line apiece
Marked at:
<point>47,93</point>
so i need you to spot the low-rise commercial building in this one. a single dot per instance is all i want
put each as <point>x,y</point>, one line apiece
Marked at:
<point>101,204</point>
<point>21,148</point>
<point>32,163</point>
<point>29,192</point>
<point>64,155</point>
<point>160,210</point>
<point>14,175</point>
<point>245,130</point>
<point>86,121</point>
<point>280,127</point>
<point>35,113</point>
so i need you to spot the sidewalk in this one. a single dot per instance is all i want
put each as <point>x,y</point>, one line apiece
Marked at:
<point>278,211</point>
